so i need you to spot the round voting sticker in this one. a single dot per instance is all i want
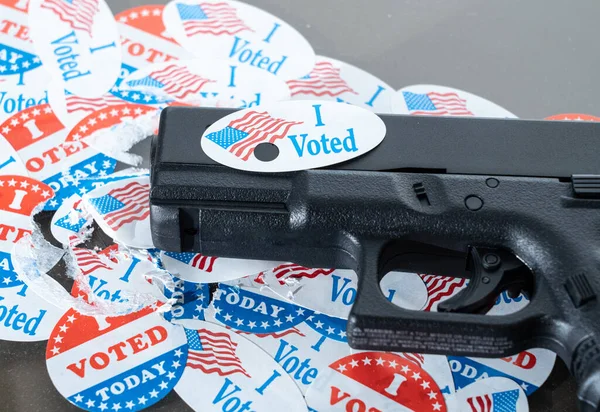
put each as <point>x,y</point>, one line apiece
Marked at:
<point>240,33</point>
<point>122,210</point>
<point>292,135</point>
<point>10,161</point>
<point>233,374</point>
<point>15,98</point>
<point>375,381</point>
<point>24,316</point>
<point>19,196</point>
<point>335,80</point>
<point>144,38</point>
<point>333,291</point>
<point>127,362</point>
<point>203,82</point>
<point>198,268</point>
<point>188,300</point>
<point>433,100</point>
<point>574,117</point>
<point>491,394</point>
<point>38,136</point>
<point>71,219</point>
<point>78,44</point>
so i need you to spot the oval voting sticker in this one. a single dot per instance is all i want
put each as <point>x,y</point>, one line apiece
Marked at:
<point>292,135</point>
<point>574,117</point>
<point>78,44</point>
<point>233,373</point>
<point>18,62</point>
<point>333,291</point>
<point>301,341</point>
<point>200,80</point>
<point>375,381</point>
<point>24,316</point>
<point>241,33</point>
<point>198,268</point>
<point>491,394</point>
<point>126,362</point>
<point>15,98</point>
<point>433,100</point>
<point>338,81</point>
<point>144,38</point>
<point>19,196</point>
<point>122,210</point>
<point>38,136</point>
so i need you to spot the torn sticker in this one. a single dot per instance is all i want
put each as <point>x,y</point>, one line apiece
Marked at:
<point>195,81</point>
<point>198,268</point>
<point>241,33</point>
<point>126,362</point>
<point>333,291</point>
<point>433,100</point>
<point>78,44</point>
<point>122,210</point>
<point>71,219</point>
<point>338,81</point>
<point>377,381</point>
<point>234,373</point>
<point>491,394</point>
<point>39,138</point>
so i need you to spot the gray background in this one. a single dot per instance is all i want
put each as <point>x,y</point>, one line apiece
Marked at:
<point>535,58</point>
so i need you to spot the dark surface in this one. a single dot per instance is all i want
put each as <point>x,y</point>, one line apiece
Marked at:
<point>535,58</point>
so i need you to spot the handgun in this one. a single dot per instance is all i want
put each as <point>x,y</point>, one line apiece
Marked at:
<point>511,205</point>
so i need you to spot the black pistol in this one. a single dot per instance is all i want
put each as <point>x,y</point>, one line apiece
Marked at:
<point>512,205</point>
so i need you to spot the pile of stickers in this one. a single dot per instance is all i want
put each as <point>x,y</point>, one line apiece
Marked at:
<point>79,87</point>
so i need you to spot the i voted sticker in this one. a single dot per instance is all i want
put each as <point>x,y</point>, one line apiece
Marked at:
<point>19,196</point>
<point>203,80</point>
<point>491,394</point>
<point>579,117</point>
<point>302,342</point>
<point>292,135</point>
<point>333,291</point>
<point>24,316</point>
<point>78,43</point>
<point>10,161</point>
<point>15,98</point>
<point>433,100</point>
<point>375,381</point>
<point>122,210</point>
<point>188,300</point>
<point>198,268</point>
<point>234,374</point>
<point>127,362</point>
<point>243,34</point>
<point>338,81</point>
<point>144,37</point>
<point>38,136</point>
<point>18,62</point>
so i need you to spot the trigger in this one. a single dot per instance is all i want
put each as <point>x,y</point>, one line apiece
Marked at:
<point>492,272</point>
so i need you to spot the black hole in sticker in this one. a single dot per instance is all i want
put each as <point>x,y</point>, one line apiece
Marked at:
<point>266,152</point>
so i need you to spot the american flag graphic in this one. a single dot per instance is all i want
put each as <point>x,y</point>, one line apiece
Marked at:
<point>499,402</point>
<point>436,104</point>
<point>124,205</point>
<point>202,262</point>
<point>414,357</point>
<point>213,352</point>
<point>177,81</point>
<point>291,270</point>
<point>277,335</point>
<point>84,104</point>
<point>439,287</point>
<point>79,14</point>
<point>88,261</point>
<point>210,18</point>
<point>242,135</point>
<point>323,80</point>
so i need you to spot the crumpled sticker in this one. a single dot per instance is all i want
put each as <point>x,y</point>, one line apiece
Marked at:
<point>332,79</point>
<point>302,349</point>
<point>122,210</point>
<point>490,394</point>
<point>234,374</point>
<point>39,138</point>
<point>375,381</point>
<point>115,363</point>
<point>333,291</point>
<point>71,219</point>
